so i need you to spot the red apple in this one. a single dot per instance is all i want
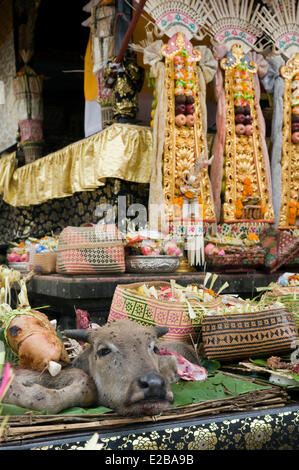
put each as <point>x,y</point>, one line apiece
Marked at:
<point>180,120</point>
<point>248,120</point>
<point>295,127</point>
<point>180,109</point>
<point>240,118</point>
<point>190,109</point>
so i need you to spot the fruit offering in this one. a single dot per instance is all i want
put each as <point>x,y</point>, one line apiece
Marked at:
<point>243,94</point>
<point>295,109</point>
<point>19,253</point>
<point>151,245</point>
<point>184,84</point>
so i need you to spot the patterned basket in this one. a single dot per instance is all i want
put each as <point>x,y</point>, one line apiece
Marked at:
<point>238,261</point>
<point>289,296</point>
<point>128,303</point>
<point>241,336</point>
<point>90,250</point>
<point>280,246</point>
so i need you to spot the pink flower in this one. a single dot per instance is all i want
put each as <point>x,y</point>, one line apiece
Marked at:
<point>145,250</point>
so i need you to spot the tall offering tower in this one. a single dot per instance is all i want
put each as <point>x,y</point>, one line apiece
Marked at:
<point>280,23</point>
<point>179,73</point>
<point>240,172</point>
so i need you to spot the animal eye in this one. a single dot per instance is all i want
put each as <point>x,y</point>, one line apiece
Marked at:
<point>103,352</point>
<point>155,349</point>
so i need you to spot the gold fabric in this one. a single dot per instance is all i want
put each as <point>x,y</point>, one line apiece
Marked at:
<point>8,164</point>
<point>90,80</point>
<point>120,151</point>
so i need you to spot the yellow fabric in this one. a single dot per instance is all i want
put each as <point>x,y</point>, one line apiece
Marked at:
<point>121,151</point>
<point>8,164</point>
<point>90,81</point>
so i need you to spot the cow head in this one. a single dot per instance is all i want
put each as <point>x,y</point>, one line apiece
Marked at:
<point>130,377</point>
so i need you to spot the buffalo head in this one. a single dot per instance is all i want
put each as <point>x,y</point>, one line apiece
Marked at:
<point>130,377</point>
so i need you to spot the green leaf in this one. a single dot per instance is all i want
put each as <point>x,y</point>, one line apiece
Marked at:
<point>210,366</point>
<point>238,386</point>
<point>214,388</point>
<point>14,410</point>
<point>75,410</point>
<point>259,362</point>
<point>186,393</point>
<point>293,376</point>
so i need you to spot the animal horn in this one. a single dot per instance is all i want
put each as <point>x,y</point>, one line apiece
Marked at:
<point>79,335</point>
<point>161,330</point>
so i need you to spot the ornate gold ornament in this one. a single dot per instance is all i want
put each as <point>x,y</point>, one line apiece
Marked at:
<point>237,57</point>
<point>244,154</point>
<point>183,145</point>
<point>290,151</point>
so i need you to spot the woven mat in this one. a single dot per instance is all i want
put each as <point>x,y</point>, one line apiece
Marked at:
<point>30,426</point>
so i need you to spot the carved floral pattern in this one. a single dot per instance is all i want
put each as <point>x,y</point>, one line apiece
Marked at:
<point>244,155</point>
<point>290,151</point>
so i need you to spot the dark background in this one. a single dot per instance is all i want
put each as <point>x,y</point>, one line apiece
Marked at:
<point>60,42</point>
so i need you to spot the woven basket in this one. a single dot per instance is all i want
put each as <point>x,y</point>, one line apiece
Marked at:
<point>90,250</point>
<point>44,263</point>
<point>289,296</point>
<point>128,303</point>
<point>251,258</point>
<point>245,335</point>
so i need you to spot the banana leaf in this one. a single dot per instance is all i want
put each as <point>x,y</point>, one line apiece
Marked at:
<point>13,410</point>
<point>214,388</point>
<point>76,410</point>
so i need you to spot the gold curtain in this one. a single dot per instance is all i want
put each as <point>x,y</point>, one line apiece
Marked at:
<point>121,151</point>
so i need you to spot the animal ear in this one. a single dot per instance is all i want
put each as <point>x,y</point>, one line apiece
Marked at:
<point>79,335</point>
<point>161,330</point>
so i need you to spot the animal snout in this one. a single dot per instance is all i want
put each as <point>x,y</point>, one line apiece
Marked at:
<point>152,385</point>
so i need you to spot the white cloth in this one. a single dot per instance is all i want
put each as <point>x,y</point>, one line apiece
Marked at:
<point>9,116</point>
<point>92,118</point>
